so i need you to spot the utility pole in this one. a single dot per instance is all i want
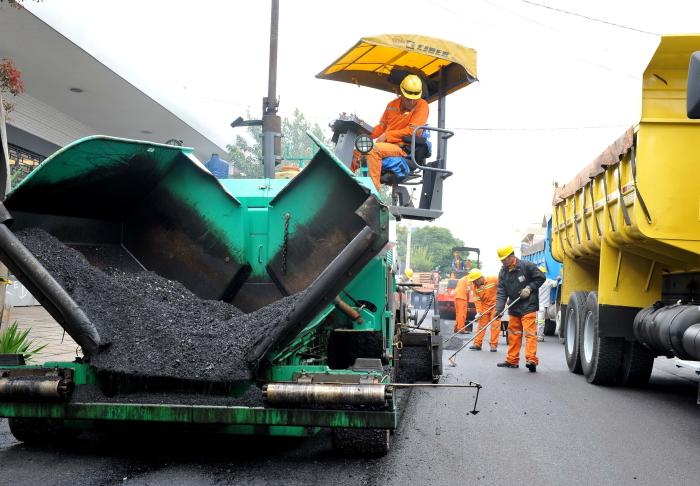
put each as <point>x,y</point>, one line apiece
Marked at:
<point>408,245</point>
<point>271,122</point>
<point>5,184</point>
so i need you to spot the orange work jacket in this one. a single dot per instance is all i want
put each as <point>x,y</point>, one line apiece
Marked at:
<point>396,124</point>
<point>485,296</point>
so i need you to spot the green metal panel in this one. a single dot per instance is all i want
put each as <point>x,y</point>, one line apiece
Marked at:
<point>194,414</point>
<point>97,157</point>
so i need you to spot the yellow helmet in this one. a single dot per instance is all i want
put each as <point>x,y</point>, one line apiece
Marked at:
<point>409,273</point>
<point>504,252</point>
<point>474,274</point>
<point>412,87</point>
<point>542,269</point>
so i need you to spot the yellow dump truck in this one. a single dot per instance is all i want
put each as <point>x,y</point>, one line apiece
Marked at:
<point>627,229</point>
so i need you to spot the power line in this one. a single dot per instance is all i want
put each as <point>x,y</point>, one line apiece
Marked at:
<point>535,129</point>
<point>613,24</point>
<point>555,30</point>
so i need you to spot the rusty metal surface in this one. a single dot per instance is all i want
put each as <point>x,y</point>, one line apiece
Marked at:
<point>610,156</point>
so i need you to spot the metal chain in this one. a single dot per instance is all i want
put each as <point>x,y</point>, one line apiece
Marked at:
<point>287,216</point>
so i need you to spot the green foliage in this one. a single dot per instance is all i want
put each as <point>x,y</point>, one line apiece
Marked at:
<point>14,341</point>
<point>296,144</point>
<point>437,243</point>
<point>401,237</point>
<point>422,259</point>
<point>385,195</point>
<point>246,151</point>
<point>247,156</point>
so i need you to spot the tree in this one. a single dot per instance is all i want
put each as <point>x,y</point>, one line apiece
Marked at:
<point>247,156</point>
<point>10,82</point>
<point>296,144</point>
<point>431,247</point>
<point>246,152</point>
<point>422,259</point>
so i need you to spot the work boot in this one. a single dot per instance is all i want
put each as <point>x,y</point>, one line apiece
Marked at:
<point>531,365</point>
<point>474,347</point>
<point>494,349</point>
<point>506,364</point>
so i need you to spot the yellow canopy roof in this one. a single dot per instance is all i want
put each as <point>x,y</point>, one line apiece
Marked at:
<point>382,61</point>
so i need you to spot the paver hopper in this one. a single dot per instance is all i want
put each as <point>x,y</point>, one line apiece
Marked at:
<point>138,206</point>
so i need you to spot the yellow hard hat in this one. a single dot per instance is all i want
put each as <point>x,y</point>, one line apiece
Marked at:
<point>474,274</point>
<point>542,269</point>
<point>504,252</point>
<point>409,273</point>
<point>412,87</point>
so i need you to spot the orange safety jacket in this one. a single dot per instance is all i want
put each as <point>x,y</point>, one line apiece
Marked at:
<point>396,125</point>
<point>462,289</point>
<point>485,296</point>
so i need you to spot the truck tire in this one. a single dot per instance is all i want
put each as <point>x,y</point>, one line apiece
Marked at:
<point>572,326</point>
<point>362,442</point>
<point>637,364</point>
<point>601,357</point>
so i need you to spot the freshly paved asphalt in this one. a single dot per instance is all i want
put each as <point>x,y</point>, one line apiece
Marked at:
<point>550,427</point>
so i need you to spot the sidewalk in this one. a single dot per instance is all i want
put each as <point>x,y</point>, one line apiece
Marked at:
<point>44,330</point>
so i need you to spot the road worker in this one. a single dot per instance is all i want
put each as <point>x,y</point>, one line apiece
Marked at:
<point>400,118</point>
<point>461,303</point>
<point>545,292</point>
<point>484,291</point>
<point>217,166</point>
<point>519,279</point>
<point>457,263</point>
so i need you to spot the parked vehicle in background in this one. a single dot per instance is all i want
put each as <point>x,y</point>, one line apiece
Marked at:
<point>446,289</point>
<point>423,294</point>
<point>540,253</point>
<point>627,231</point>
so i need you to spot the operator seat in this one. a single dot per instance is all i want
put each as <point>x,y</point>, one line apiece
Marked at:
<point>391,178</point>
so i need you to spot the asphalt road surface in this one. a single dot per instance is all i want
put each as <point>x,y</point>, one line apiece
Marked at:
<point>550,427</point>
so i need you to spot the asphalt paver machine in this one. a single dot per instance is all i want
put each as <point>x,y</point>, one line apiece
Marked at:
<point>327,360</point>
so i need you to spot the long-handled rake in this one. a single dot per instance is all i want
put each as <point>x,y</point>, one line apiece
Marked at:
<point>451,359</point>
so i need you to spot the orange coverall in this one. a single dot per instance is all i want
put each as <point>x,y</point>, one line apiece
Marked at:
<point>461,299</point>
<point>517,326</point>
<point>485,297</point>
<point>395,125</point>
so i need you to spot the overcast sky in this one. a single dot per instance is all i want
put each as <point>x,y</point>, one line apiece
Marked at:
<point>555,88</point>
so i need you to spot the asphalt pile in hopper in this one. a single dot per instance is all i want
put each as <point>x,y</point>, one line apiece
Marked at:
<point>156,327</point>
